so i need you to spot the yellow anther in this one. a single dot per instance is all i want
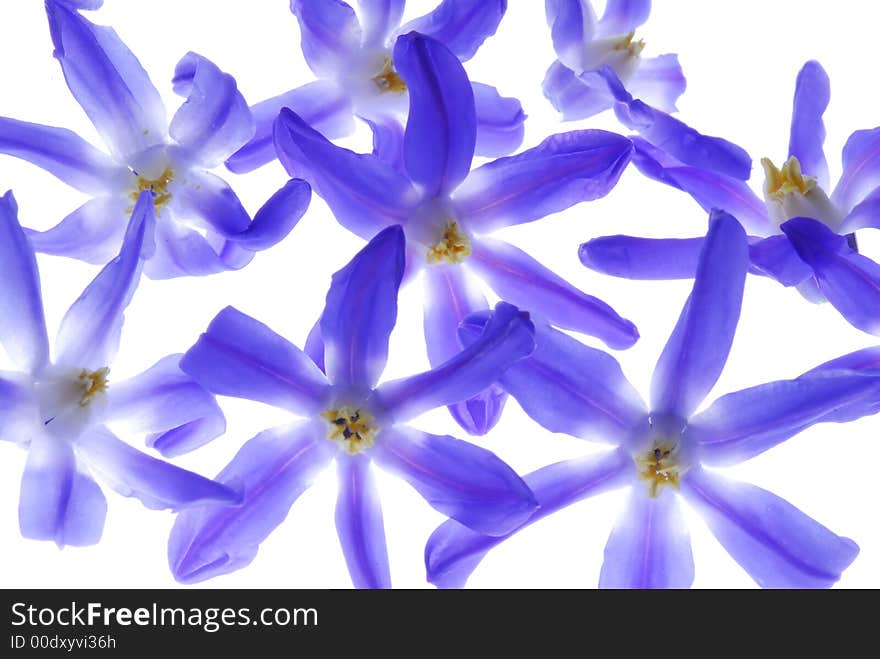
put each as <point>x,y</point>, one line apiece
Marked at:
<point>634,48</point>
<point>781,182</point>
<point>92,384</point>
<point>659,467</point>
<point>453,247</point>
<point>158,186</point>
<point>355,429</point>
<point>389,80</point>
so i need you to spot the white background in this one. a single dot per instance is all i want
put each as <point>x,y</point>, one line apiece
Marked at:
<point>740,59</point>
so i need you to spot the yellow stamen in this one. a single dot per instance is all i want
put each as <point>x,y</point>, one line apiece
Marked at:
<point>158,186</point>
<point>389,80</point>
<point>92,383</point>
<point>634,48</point>
<point>453,247</point>
<point>355,429</point>
<point>788,179</point>
<point>659,467</point>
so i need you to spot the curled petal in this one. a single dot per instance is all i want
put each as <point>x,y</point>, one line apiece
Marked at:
<point>460,25</point>
<point>866,214</point>
<point>463,481</point>
<point>659,82</point>
<point>277,217</point>
<point>861,168</point>
<point>642,258</point>
<point>573,97</point>
<point>562,171</point>
<point>650,546</point>
<point>388,141</point>
<point>359,524</point>
<point>330,34</point>
<point>811,95</point>
<point>208,200</point>
<point>215,121</point>
<point>239,356</point>
<point>271,471</point>
<point>777,544</point>
<point>184,252</point>
<point>500,122</point>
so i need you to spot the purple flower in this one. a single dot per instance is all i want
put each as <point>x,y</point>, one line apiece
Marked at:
<point>570,388</point>
<point>599,66</point>
<point>802,232</point>
<point>349,418</point>
<point>351,54</point>
<point>448,210</point>
<point>203,228</point>
<point>59,410</point>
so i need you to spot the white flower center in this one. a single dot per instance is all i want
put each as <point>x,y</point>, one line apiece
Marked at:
<point>661,466</point>
<point>789,193</point>
<point>622,53</point>
<point>352,427</point>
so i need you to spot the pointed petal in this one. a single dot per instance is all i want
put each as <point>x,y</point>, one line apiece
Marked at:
<point>454,551</point>
<point>277,217</point>
<point>168,404</point>
<point>563,170</point>
<point>500,122</point>
<point>272,470</point>
<point>239,356</point>
<point>568,387</point>
<point>330,34</point>
<point>322,104</point>
<point>60,152</point>
<point>22,323</point>
<point>379,18</point>
<point>696,351</point>
<point>359,524</point>
<point>441,129</point>
<point>650,546</point>
<point>92,233</point>
<point>572,26</point>
<point>623,16</point>
<point>108,82</point>
<point>364,193</point>
<point>811,95</point>
<point>460,25</point>
<point>506,338</point>
<point>91,328</point>
<point>519,279</point>
<point>642,258</point>
<point>777,544</point>
<point>861,168</point>
<point>214,121</point>
<point>461,480</point>
<point>361,311</point>
<point>659,82</point>
<point>59,500</point>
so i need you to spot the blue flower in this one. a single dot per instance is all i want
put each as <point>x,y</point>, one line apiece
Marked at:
<point>59,409</point>
<point>802,232</point>
<point>148,153</point>
<point>448,210</point>
<point>358,75</point>
<point>350,419</point>
<point>600,66</point>
<point>570,388</point>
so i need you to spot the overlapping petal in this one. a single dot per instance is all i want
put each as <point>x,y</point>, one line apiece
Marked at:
<point>208,200</point>
<point>642,258</point>
<point>861,168</point>
<point>500,122</point>
<point>460,25</point>
<point>623,16</point>
<point>573,97</point>
<point>572,25</point>
<point>330,33</point>
<point>277,217</point>
<point>659,82</point>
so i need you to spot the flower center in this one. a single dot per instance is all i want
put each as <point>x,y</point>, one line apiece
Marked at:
<point>389,80</point>
<point>788,193</point>
<point>785,181</point>
<point>626,43</point>
<point>92,383</point>
<point>158,186</point>
<point>660,467</point>
<point>453,247</point>
<point>354,428</point>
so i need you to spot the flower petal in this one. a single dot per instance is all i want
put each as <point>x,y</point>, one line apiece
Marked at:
<point>519,279</point>
<point>500,122</point>
<point>454,551</point>
<point>364,193</point>
<point>359,524</point>
<point>361,311</point>
<point>659,82</point>
<point>158,484</point>
<point>214,121</point>
<point>778,545</point>
<point>93,232</point>
<point>642,258</point>
<point>379,18</point>
<point>17,408</point>
<point>272,470</point>
<point>575,98</point>
<point>441,130</point>
<point>239,356</point>
<point>623,16</point>
<point>865,362</point>
<point>745,423</point>
<point>330,33</point>
<point>208,200</point>
<point>776,258</point>
<point>460,25</point>
<point>866,214</point>
<point>563,170</point>
<point>811,95</point>
<point>91,328</point>
<point>461,480</point>
<point>568,387</point>
<point>60,152</point>
<point>861,168</point>
<point>178,413</point>
<point>108,82</point>
<point>182,251</point>
<point>696,351</point>
<point>572,26</point>
<point>277,217</point>
<point>650,546</point>
<point>22,323</point>
<point>59,500</point>
<point>388,141</point>
<point>850,281</point>
<point>506,338</point>
<point>322,104</point>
